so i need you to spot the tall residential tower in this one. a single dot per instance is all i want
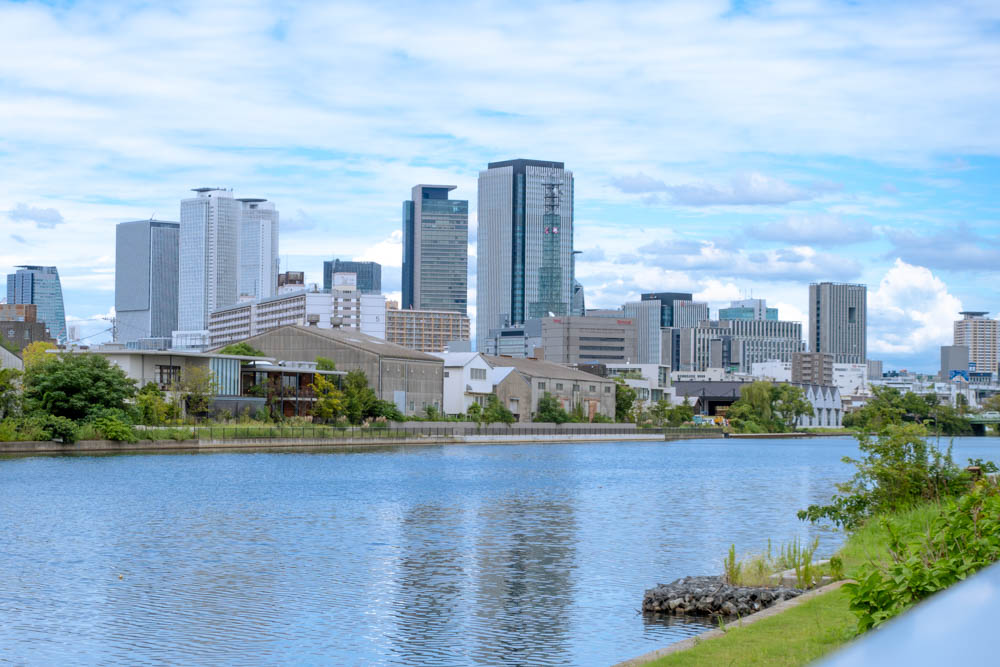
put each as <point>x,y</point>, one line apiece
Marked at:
<point>146,282</point>
<point>525,244</point>
<point>435,250</point>
<point>980,334</point>
<point>838,321</point>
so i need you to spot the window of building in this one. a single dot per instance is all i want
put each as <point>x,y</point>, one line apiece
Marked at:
<point>559,386</point>
<point>607,389</point>
<point>478,373</point>
<point>167,375</point>
<point>447,374</point>
<point>593,388</point>
<point>541,385</point>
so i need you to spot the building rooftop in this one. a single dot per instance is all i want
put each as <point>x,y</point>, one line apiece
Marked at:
<point>354,338</point>
<point>538,368</point>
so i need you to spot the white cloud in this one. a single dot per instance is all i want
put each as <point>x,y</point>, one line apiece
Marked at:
<point>44,218</point>
<point>388,252</point>
<point>910,312</point>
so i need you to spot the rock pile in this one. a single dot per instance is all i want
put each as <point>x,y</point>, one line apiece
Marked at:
<point>711,596</point>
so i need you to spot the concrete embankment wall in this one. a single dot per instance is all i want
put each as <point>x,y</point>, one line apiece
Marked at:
<point>109,446</point>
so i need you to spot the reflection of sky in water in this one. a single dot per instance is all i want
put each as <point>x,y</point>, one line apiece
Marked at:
<point>506,554</point>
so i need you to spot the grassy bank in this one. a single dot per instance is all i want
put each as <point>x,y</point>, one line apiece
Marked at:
<point>816,627</point>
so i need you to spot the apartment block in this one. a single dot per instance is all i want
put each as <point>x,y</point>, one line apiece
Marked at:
<point>812,368</point>
<point>424,330</point>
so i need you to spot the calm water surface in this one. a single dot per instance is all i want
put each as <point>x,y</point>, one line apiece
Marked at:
<point>450,555</point>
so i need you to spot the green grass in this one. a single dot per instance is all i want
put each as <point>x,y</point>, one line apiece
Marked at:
<point>794,637</point>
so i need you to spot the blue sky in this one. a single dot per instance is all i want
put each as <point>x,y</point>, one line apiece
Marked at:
<point>720,148</point>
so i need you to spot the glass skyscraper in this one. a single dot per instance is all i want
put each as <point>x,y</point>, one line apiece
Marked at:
<point>435,250</point>
<point>258,277</point>
<point>146,270</point>
<point>369,274</point>
<point>40,285</point>
<point>209,256</point>
<point>525,244</point>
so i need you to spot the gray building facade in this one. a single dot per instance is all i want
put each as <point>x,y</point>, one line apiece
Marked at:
<point>525,244</point>
<point>40,285</point>
<point>838,321</point>
<point>435,250</point>
<point>146,279</point>
<point>666,300</point>
<point>369,274</point>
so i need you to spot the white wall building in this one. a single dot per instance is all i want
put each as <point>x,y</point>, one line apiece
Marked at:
<point>828,411</point>
<point>468,379</point>
<point>851,379</point>
<point>258,277</point>
<point>345,307</point>
<point>773,369</point>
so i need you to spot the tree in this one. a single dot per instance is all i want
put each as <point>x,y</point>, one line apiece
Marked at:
<point>197,388</point>
<point>624,400</point>
<point>496,412</point>
<point>10,392</point>
<point>151,405</point>
<point>788,403</point>
<point>75,385</point>
<point>242,349</point>
<point>324,364</point>
<point>475,413</point>
<point>359,399</point>
<point>659,412</point>
<point>35,352</point>
<point>549,410</point>
<point>431,413</point>
<point>330,401</point>
<point>681,414</point>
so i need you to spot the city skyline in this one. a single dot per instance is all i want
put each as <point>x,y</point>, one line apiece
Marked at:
<point>718,167</point>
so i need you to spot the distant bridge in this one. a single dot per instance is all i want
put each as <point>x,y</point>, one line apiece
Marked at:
<point>981,420</point>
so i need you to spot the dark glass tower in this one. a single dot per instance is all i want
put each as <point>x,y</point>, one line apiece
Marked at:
<point>435,250</point>
<point>40,285</point>
<point>369,274</point>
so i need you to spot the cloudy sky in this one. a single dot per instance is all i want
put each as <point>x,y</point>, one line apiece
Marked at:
<point>725,148</point>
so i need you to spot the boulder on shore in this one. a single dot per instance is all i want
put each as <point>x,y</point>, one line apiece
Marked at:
<point>712,596</point>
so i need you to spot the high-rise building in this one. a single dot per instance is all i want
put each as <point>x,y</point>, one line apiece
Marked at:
<point>978,333</point>
<point>40,285</point>
<point>258,278</point>
<point>647,316</point>
<point>954,362</point>
<point>435,250</point>
<point>146,279</point>
<point>748,309</point>
<point>369,274</point>
<point>209,256</point>
<point>666,300</point>
<point>525,244</point>
<point>689,313</point>
<point>838,320</point>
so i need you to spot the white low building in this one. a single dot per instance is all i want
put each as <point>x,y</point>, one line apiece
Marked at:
<point>773,369</point>
<point>467,380</point>
<point>851,379</point>
<point>828,411</point>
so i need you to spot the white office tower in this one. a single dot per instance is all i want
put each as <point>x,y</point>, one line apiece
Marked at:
<point>258,278</point>
<point>209,256</point>
<point>525,241</point>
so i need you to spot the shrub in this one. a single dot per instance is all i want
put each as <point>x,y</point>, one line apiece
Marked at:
<point>54,427</point>
<point>961,540</point>
<point>115,429</point>
<point>898,470</point>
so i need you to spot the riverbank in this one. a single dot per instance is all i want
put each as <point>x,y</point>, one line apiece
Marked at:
<point>298,444</point>
<point>800,630</point>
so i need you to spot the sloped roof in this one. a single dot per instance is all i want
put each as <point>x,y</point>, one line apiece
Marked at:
<point>452,359</point>
<point>353,338</point>
<point>543,369</point>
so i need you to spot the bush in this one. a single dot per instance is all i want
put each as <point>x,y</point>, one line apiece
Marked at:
<point>76,385</point>
<point>898,470</point>
<point>113,428</point>
<point>53,427</point>
<point>964,538</point>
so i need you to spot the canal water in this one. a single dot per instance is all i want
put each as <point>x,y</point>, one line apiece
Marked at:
<point>432,555</point>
